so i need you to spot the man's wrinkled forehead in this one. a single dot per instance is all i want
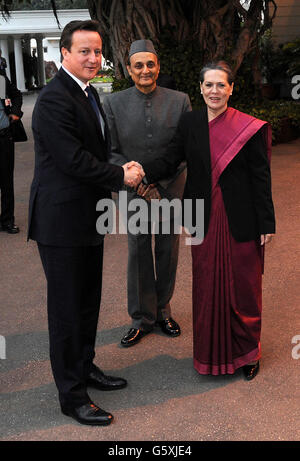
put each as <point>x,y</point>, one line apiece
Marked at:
<point>143,58</point>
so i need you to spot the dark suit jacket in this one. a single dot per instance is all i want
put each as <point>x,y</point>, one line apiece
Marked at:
<point>245,183</point>
<point>71,170</point>
<point>15,95</point>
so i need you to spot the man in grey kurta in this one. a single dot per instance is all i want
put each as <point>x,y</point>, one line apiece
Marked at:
<point>142,122</point>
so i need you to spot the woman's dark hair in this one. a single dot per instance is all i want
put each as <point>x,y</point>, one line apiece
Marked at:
<point>73,26</point>
<point>218,65</point>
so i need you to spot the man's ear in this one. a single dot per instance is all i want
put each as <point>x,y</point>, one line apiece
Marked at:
<point>129,70</point>
<point>64,52</point>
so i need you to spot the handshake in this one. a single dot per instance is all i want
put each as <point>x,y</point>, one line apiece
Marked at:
<point>133,173</point>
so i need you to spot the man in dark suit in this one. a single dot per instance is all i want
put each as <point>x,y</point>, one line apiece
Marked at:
<point>10,111</point>
<point>71,175</point>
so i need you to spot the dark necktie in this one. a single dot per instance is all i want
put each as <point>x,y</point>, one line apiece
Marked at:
<point>94,104</point>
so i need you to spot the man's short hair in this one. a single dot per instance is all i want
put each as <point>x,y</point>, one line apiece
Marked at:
<point>73,26</point>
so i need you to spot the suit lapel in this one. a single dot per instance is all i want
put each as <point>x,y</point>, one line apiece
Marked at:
<point>83,101</point>
<point>106,131</point>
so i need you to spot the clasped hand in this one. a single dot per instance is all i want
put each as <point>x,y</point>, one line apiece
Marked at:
<point>265,238</point>
<point>149,192</point>
<point>13,117</point>
<point>133,173</point>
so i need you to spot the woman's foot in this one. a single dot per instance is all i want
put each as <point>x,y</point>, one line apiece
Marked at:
<point>251,370</point>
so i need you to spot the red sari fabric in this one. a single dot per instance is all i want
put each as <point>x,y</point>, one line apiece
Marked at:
<point>227,275</point>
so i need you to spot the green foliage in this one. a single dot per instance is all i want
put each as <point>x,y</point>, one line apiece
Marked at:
<point>244,88</point>
<point>109,72</point>
<point>104,76</point>
<point>291,53</point>
<point>183,61</point>
<point>119,85</point>
<point>276,113</point>
<point>100,79</point>
<point>279,62</point>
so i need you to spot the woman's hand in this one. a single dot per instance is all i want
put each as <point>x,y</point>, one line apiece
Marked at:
<point>148,192</point>
<point>265,238</point>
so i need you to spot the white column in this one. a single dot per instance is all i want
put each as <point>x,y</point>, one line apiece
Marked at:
<point>41,65</point>
<point>19,64</point>
<point>5,54</point>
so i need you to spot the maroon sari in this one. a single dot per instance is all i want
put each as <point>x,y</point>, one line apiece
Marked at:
<point>227,275</point>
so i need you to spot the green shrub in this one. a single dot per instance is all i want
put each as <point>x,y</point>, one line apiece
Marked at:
<point>99,79</point>
<point>119,85</point>
<point>279,62</point>
<point>183,62</point>
<point>274,112</point>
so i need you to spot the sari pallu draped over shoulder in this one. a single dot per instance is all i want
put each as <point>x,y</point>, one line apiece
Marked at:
<point>227,275</point>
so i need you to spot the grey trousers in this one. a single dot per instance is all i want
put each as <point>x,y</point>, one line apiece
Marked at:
<point>151,277</point>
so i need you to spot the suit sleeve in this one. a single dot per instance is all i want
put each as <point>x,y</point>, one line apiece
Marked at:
<point>187,107</point>
<point>114,156</point>
<point>260,176</point>
<point>15,95</point>
<point>56,129</point>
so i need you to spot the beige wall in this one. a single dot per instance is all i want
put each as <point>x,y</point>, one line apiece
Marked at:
<point>286,25</point>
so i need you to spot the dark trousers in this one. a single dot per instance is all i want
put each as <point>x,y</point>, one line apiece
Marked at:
<point>7,163</point>
<point>74,282</point>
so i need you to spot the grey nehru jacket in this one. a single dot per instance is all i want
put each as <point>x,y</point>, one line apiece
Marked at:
<point>142,125</point>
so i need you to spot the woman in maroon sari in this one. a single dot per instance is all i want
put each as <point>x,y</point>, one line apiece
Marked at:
<point>227,154</point>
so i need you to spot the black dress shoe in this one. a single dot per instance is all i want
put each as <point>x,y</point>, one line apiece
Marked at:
<point>170,327</point>
<point>250,371</point>
<point>10,228</point>
<point>89,414</point>
<point>133,336</point>
<point>99,380</point>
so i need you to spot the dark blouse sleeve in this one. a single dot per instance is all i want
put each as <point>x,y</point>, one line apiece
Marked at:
<point>260,178</point>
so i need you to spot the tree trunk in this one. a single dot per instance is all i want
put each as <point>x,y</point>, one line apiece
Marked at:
<point>222,28</point>
<point>123,21</point>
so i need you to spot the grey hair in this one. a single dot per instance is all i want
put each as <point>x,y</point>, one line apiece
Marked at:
<point>218,65</point>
